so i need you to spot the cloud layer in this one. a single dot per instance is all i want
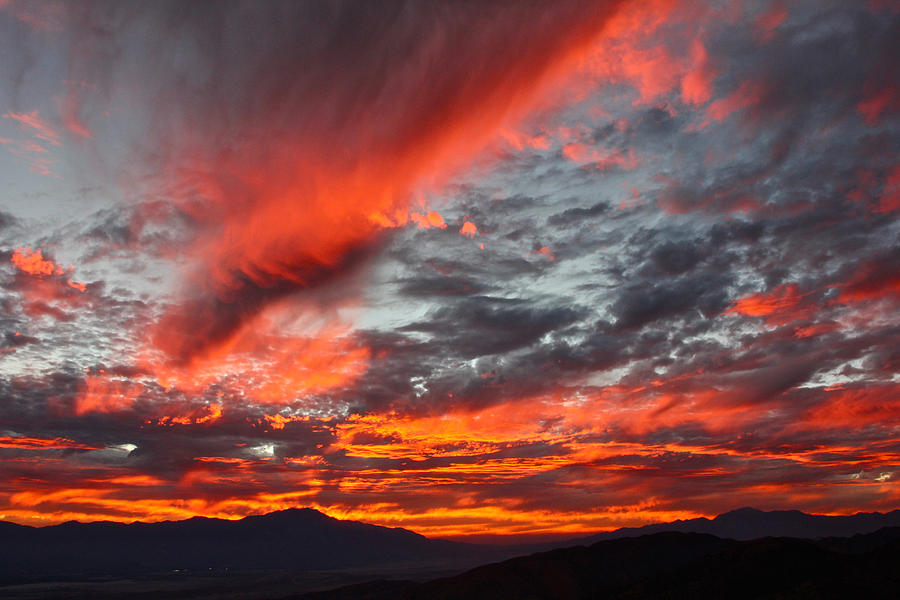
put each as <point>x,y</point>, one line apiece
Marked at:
<point>457,267</point>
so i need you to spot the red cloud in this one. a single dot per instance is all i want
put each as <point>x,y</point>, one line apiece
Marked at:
<point>295,181</point>
<point>697,84</point>
<point>39,127</point>
<point>876,279</point>
<point>44,286</point>
<point>748,95</point>
<point>784,304</point>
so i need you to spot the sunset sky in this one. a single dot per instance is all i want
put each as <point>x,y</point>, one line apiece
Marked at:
<point>466,268</point>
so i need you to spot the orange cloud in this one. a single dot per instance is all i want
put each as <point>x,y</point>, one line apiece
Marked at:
<point>45,289</point>
<point>429,220</point>
<point>784,304</point>
<point>278,421</point>
<point>32,262</point>
<point>206,414</point>
<point>102,393</point>
<point>463,473</point>
<point>262,364</point>
<point>32,443</point>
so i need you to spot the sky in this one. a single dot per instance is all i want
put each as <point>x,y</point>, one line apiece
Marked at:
<point>469,268</point>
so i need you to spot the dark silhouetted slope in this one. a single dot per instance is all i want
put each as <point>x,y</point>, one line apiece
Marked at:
<point>669,565</point>
<point>750,523</point>
<point>298,539</point>
<point>304,540</point>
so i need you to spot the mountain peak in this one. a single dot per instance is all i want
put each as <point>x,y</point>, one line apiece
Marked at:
<point>744,511</point>
<point>298,538</point>
<point>293,514</point>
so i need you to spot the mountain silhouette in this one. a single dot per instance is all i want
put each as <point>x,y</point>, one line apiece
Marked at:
<point>294,546</point>
<point>295,539</point>
<point>669,565</point>
<point>750,523</point>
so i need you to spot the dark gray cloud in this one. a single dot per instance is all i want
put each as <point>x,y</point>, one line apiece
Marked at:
<point>577,216</point>
<point>483,325</point>
<point>640,304</point>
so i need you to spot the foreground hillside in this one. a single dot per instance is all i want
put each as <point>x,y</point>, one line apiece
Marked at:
<point>670,565</point>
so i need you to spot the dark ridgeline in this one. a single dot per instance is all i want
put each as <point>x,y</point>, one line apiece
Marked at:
<point>670,565</point>
<point>286,552</point>
<point>296,539</point>
<point>750,524</point>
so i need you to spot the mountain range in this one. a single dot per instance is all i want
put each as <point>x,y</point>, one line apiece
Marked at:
<point>304,541</point>
<point>750,523</point>
<point>295,539</point>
